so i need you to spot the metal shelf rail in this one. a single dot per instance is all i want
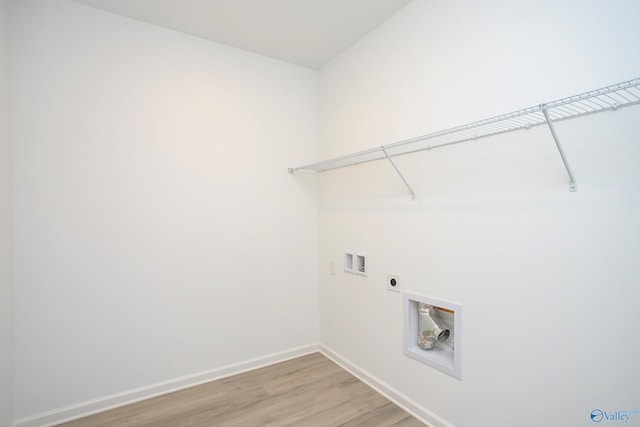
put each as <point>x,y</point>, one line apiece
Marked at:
<point>595,101</point>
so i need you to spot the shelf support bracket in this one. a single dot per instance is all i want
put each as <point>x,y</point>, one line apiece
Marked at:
<point>413,195</point>
<point>572,182</point>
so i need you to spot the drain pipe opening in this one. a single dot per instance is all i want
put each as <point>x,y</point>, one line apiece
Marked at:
<point>431,328</point>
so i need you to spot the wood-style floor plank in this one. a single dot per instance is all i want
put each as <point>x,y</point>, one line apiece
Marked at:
<point>307,391</point>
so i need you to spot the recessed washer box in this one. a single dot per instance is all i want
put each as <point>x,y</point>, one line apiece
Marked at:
<point>349,262</point>
<point>433,332</point>
<point>360,265</point>
<point>355,263</point>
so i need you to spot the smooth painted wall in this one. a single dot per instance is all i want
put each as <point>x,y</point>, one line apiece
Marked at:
<point>6,306</point>
<point>157,231</point>
<point>547,278</point>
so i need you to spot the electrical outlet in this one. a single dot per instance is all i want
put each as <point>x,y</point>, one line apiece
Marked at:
<point>393,282</point>
<point>332,267</point>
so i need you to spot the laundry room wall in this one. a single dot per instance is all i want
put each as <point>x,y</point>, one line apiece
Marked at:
<point>6,279</point>
<point>159,239</point>
<point>547,278</point>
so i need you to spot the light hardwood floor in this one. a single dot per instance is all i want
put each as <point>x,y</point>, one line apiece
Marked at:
<point>307,391</point>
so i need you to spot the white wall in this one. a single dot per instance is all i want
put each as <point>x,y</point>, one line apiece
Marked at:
<point>6,306</point>
<point>158,233</point>
<point>547,278</point>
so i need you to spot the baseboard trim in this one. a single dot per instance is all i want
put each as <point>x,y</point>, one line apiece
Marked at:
<point>90,407</point>
<point>409,405</point>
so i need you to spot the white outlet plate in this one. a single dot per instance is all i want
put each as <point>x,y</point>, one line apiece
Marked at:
<point>332,267</point>
<point>393,282</point>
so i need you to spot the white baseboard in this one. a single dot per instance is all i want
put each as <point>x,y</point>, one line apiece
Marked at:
<point>95,406</point>
<point>409,405</point>
<point>83,409</point>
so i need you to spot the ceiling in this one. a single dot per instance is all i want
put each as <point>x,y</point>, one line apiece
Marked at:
<point>304,32</point>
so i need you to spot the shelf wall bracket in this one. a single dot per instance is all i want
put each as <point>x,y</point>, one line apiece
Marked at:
<point>572,181</point>
<point>413,195</point>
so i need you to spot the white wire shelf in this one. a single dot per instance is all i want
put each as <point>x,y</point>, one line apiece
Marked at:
<point>595,101</point>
